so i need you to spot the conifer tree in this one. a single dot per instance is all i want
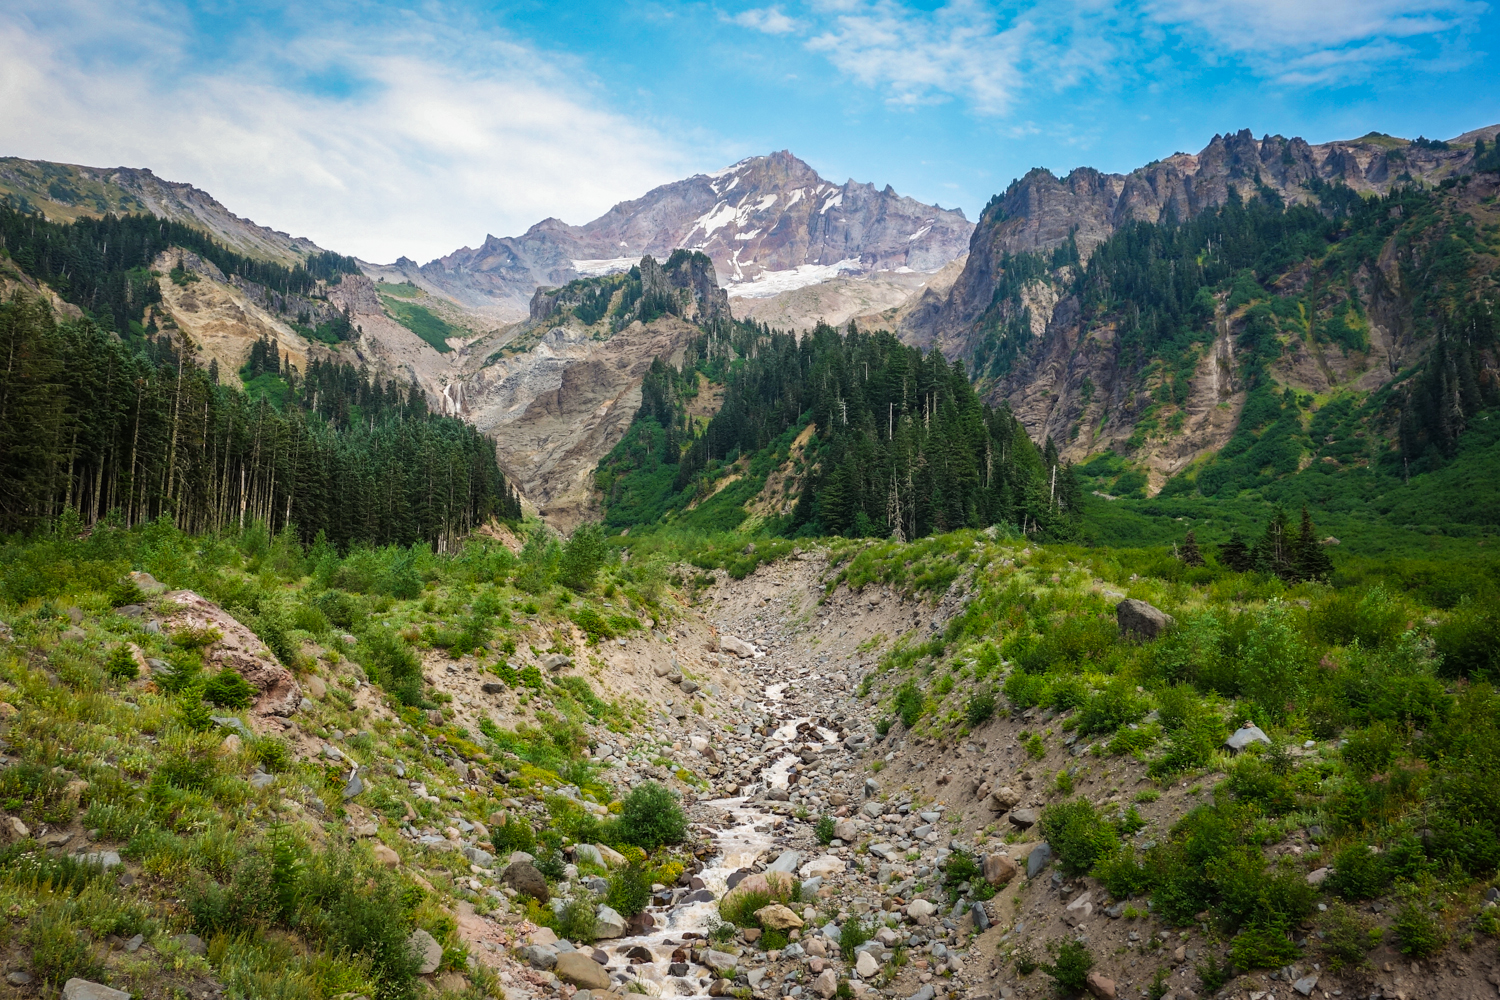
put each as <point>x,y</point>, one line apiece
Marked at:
<point>1235,554</point>
<point>1190,554</point>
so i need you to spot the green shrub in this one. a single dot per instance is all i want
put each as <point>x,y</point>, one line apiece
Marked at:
<point>1347,937</point>
<point>1262,947</point>
<point>960,867</point>
<point>883,725</point>
<point>1079,835</point>
<point>582,558</point>
<point>59,945</point>
<point>1122,873</point>
<point>651,816</point>
<point>515,834</point>
<point>390,662</point>
<point>228,689</point>
<point>1273,656</point>
<point>824,830</point>
<point>1418,933</point>
<point>629,889</point>
<point>1117,705</point>
<point>273,753</point>
<point>980,708</point>
<point>1359,873</point>
<point>1069,969</point>
<point>576,921</point>
<point>1469,642</point>
<point>909,703</point>
<point>121,664</point>
<point>1373,619</point>
<point>852,934</point>
<point>739,908</point>
<point>551,863</point>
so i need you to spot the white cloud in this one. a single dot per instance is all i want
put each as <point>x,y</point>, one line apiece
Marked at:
<point>446,133</point>
<point>1318,41</point>
<point>767,19</point>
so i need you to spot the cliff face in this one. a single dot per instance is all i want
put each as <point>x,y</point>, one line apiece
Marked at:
<point>769,224</point>
<point>1040,211</point>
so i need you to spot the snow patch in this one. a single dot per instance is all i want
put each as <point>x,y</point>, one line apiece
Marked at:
<point>747,236</point>
<point>721,216</point>
<point>919,234</point>
<point>834,200</point>
<point>599,268</point>
<point>769,283</point>
<point>795,197</point>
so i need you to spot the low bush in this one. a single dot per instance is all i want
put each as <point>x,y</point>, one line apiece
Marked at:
<point>228,689</point>
<point>651,816</point>
<point>909,703</point>
<point>823,831</point>
<point>576,921</point>
<point>629,889</point>
<point>1069,969</point>
<point>515,834</point>
<point>980,708</point>
<point>1079,835</point>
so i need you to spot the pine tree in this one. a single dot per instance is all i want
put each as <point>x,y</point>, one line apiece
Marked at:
<point>1312,561</point>
<point>1274,551</point>
<point>1236,555</point>
<point>1190,554</point>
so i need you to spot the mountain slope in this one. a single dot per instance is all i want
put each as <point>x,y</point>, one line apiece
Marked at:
<point>769,223</point>
<point>65,192</point>
<point>1041,213</point>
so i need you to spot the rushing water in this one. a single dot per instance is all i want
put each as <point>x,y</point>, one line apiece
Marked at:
<point>745,834</point>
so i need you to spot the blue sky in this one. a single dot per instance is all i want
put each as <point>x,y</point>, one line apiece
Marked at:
<point>413,129</point>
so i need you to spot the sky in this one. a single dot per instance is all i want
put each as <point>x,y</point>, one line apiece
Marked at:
<point>412,129</point>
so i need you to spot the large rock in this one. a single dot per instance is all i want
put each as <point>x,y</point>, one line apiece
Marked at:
<point>612,858</point>
<point>998,869</point>
<point>608,923</point>
<point>1023,819</point>
<point>867,965</point>
<point>525,879</point>
<point>920,908</point>
<point>776,917</point>
<point>827,983</point>
<point>1245,735</point>
<point>1139,620</point>
<point>1079,910</point>
<point>1003,798</point>
<point>826,865</point>
<point>588,853</point>
<point>1101,987</point>
<point>739,647</point>
<point>237,649</point>
<point>1039,858</point>
<point>82,989</point>
<point>786,862</point>
<point>580,969</point>
<point>777,885</point>
<point>845,830</point>
<point>425,947</point>
<point>719,961</point>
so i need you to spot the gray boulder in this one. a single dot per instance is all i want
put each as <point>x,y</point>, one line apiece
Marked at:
<point>1245,735</point>
<point>1023,819</point>
<point>82,989</point>
<point>608,923</point>
<point>425,947</point>
<point>787,862</point>
<point>1040,857</point>
<point>1139,620</point>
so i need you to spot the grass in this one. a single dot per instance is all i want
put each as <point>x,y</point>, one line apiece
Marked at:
<point>432,328</point>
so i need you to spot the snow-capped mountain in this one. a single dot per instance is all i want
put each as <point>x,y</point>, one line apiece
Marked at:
<point>770,223</point>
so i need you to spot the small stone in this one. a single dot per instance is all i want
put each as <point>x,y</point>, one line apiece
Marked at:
<point>231,744</point>
<point>999,869</point>
<point>1306,985</point>
<point>104,859</point>
<point>18,978</point>
<point>827,983</point>
<point>867,965</point>
<point>386,856</point>
<point>777,917</point>
<point>192,944</point>
<point>1317,876</point>
<point>920,908</point>
<point>925,993</point>
<point>1023,819</point>
<point>719,961</point>
<point>426,947</point>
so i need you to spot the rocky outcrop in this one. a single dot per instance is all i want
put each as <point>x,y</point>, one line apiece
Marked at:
<point>235,648</point>
<point>1041,211</point>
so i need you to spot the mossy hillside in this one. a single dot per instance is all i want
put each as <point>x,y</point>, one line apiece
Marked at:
<point>270,874</point>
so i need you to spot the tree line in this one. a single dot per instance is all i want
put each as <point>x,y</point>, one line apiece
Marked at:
<point>95,428</point>
<point>103,265</point>
<point>901,445</point>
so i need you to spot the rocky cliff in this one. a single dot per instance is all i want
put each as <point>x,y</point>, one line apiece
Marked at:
<point>1040,212</point>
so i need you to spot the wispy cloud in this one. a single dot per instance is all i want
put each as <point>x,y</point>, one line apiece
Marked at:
<point>770,20</point>
<point>1328,41</point>
<point>444,133</point>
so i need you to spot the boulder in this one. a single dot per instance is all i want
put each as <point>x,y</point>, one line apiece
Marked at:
<point>315,686</point>
<point>844,830</point>
<point>1139,620</point>
<point>237,649</point>
<point>920,908</point>
<point>1079,910</point>
<point>1023,819</point>
<point>612,858</point>
<point>1245,735</point>
<point>82,989</point>
<point>580,969</point>
<point>525,879</point>
<point>148,583</point>
<point>1003,798</point>
<point>819,867</point>
<point>608,923</point>
<point>556,661</point>
<point>1306,984</point>
<point>739,647</point>
<point>827,983</point>
<point>786,862</point>
<point>1318,875</point>
<point>192,944</point>
<point>540,956</point>
<point>925,993</point>
<point>719,961</point>
<point>1039,858</point>
<point>777,917</point>
<point>588,853</point>
<point>1100,987</point>
<point>778,885</point>
<point>426,947</point>
<point>386,856</point>
<point>998,869</point>
<point>867,965</point>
